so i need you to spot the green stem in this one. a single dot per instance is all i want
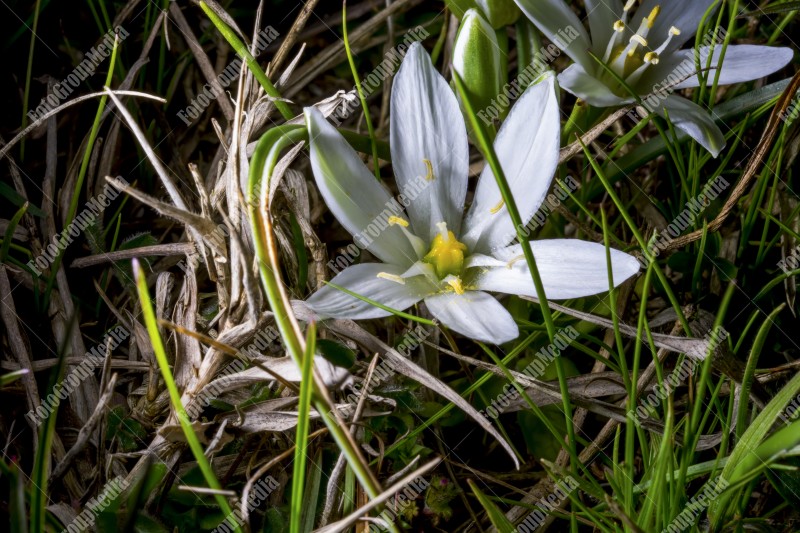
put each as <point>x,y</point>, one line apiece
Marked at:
<point>508,198</point>
<point>575,120</point>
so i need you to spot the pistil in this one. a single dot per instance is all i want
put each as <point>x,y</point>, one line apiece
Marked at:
<point>446,253</point>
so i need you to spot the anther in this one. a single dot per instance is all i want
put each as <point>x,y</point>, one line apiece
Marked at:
<point>635,40</point>
<point>429,176</point>
<point>511,263</point>
<point>673,32</point>
<point>394,220</point>
<point>651,18</point>
<point>391,277</point>
<point>639,39</point>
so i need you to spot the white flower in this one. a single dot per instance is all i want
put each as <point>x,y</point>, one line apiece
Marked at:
<point>430,253</point>
<point>643,48</point>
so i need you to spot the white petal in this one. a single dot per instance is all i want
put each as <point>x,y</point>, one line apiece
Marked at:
<point>554,18</point>
<point>286,368</point>
<point>741,63</point>
<point>586,87</point>
<point>329,302</point>
<point>474,314</point>
<point>695,121</point>
<point>527,148</point>
<point>427,124</point>
<point>602,15</point>
<point>683,14</point>
<point>569,268</point>
<point>357,200</point>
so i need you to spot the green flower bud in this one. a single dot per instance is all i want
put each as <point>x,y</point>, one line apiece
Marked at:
<point>477,58</point>
<point>499,13</point>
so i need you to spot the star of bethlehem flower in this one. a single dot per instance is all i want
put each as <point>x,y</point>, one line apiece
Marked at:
<point>433,252</point>
<point>643,47</point>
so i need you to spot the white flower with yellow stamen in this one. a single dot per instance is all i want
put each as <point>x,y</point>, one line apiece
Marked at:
<point>431,254</point>
<point>643,48</point>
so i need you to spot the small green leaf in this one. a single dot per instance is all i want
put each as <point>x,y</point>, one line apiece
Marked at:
<point>11,377</point>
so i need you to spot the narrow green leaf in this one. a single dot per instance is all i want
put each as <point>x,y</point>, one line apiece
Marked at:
<point>87,153</point>
<point>750,370</point>
<point>252,63</point>
<point>175,396</point>
<point>360,91</point>
<point>262,164</point>
<point>299,510</point>
<point>742,459</point>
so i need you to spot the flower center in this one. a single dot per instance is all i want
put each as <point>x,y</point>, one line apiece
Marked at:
<point>630,60</point>
<point>446,254</point>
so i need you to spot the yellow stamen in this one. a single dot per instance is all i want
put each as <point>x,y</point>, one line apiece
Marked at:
<point>629,5</point>
<point>392,220</point>
<point>429,176</point>
<point>651,18</point>
<point>639,39</point>
<point>514,260</point>
<point>636,39</point>
<point>456,284</point>
<point>651,57</point>
<point>673,31</point>
<point>619,26</point>
<point>391,277</point>
<point>498,207</point>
